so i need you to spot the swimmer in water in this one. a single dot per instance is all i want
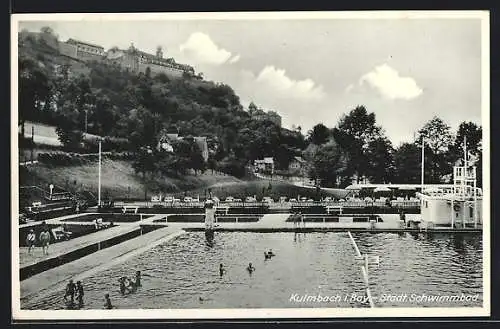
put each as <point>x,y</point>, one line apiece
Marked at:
<point>250,268</point>
<point>122,285</point>
<point>222,270</point>
<point>138,279</point>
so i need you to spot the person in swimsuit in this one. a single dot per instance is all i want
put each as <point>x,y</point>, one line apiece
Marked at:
<point>45,241</point>
<point>70,292</point>
<point>30,240</point>
<point>107,302</point>
<point>250,268</point>
<point>222,270</point>
<point>80,293</point>
<point>123,288</point>
<point>138,279</point>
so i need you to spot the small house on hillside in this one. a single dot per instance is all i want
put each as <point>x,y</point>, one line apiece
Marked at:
<point>297,164</point>
<point>166,139</point>
<point>265,165</point>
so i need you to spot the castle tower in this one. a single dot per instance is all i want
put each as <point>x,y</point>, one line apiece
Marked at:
<point>159,52</point>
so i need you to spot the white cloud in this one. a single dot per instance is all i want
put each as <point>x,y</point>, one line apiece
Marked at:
<point>276,80</point>
<point>234,59</point>
<point>201,48</point>
<point>390,84</point>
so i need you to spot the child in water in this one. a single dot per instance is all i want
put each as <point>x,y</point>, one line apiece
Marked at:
<point>107,302</point>
<point>123,288</point>
<point>268,254</point>
<point>138,279</point>
<point>222,270</point>
<point>80,293</point>
<point>250,268</point>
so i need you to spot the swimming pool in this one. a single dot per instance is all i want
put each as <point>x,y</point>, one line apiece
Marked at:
<point>184,272</point>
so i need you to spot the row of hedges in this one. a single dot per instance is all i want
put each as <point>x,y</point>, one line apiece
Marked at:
<point>91,144</point>
<point>73,159</point>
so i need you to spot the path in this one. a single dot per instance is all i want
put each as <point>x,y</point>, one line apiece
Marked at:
<point>61,248</point>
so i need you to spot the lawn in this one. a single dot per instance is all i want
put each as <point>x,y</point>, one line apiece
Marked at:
<point>118,179</point>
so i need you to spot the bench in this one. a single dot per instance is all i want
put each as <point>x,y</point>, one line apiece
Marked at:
<point>225,209</point>
<point>135,208</point>
<point>334,208</point>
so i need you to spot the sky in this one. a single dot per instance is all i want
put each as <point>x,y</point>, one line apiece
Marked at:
<point>315,70</point>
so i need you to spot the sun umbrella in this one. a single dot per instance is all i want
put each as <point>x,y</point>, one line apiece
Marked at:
<point>407,188</point>
<point>382,189</point>
<point>431,189</point>
<point>353,188</point>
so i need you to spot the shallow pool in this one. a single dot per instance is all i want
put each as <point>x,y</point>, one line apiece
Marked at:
<point>309,270</point>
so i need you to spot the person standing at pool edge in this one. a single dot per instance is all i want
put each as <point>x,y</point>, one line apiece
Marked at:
<point>30,240</point>
<point>45,240</point>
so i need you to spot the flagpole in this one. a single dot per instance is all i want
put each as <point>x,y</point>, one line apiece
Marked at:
<point>422,168</point>
<point>99,186</point>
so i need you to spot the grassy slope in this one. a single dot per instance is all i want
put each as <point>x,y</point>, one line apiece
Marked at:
<point>118,175</point>
<point>261,188</point>
<point>116,178</point>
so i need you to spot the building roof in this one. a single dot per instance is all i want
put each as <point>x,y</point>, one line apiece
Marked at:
<point>265,160</point>
<point>71,40</point>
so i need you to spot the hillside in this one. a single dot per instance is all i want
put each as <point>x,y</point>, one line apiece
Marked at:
<point>118,179</point>
<point>105,99</point>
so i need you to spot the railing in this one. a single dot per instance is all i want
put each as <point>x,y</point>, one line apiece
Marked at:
<point>364,270</point>
<point>276,205</point>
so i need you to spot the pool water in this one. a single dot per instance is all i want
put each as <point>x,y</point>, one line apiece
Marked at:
<point>184,272</point>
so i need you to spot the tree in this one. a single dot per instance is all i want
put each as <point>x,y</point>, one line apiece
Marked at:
<point>34,90</point>
<point>47,30</point>
<point>381,161</point>
<point>437,140</point>
<point>328,163</point>
<point>354,133</point>
<point>407,164</point>
<point>436,134</point>
<point>69,138</point>
<point>473,134</point>
<point>319,134</point>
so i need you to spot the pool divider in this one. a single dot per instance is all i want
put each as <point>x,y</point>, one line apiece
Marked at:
<point>364,270</point>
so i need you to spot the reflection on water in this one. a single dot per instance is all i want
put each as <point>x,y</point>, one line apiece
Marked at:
<point>184,273</point>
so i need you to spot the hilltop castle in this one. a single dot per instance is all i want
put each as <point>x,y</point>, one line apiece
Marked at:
<point>132,58</point>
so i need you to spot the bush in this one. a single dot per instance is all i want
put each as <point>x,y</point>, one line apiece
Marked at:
<point>113,144</point>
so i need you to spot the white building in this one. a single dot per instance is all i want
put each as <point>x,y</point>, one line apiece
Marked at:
<point>265,165</point>
<point>458,205</point>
